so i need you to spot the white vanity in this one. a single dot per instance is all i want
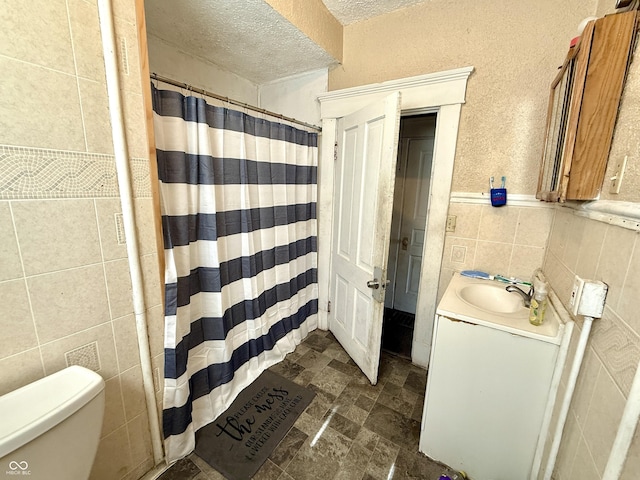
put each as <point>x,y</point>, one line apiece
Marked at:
<point>490,376</point>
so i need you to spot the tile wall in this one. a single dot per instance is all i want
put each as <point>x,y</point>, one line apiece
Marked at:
<point>600,251</point>
<point>64,278</point>
<point>508,240</point>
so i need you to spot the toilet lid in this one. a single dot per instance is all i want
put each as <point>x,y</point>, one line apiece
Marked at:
<point>35,408</point>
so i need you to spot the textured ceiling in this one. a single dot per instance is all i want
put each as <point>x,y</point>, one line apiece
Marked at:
<point>250,38</point>
<point>351,11</point>
<point>246,37</point>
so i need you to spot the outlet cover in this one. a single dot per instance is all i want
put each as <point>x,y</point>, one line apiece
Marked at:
<point>451,223</point>
<point>576,294</point>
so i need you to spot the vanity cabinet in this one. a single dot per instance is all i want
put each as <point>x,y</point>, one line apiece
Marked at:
<point>485,400</point>
<point>583,106</point>
<point>490,378</point>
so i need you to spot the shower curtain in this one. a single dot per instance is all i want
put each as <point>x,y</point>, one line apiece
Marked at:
<point>238,201</point>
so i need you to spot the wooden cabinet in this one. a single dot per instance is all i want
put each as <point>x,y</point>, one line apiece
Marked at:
<point>583,106</point>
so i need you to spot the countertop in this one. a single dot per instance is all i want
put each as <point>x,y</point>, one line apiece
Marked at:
<point>455,307</point>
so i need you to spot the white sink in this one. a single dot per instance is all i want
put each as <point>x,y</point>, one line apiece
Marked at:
<point>491,297</point>
<point>486,302</point>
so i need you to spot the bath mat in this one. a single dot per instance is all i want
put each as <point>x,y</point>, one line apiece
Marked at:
<point>239,441</point>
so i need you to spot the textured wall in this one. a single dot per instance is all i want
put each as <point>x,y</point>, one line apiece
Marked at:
<point>515,48</point>
<point>64,277</point>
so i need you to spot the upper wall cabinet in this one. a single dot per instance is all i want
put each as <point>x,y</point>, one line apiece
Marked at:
<point>583,107</point>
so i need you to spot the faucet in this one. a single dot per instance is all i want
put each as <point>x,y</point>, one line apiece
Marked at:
<point>526,297</point>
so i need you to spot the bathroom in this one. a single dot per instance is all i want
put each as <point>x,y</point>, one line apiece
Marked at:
<point>64,274</point>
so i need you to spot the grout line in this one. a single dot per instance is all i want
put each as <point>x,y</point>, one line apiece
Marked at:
<point>584,438</point>
<point>70,269</point>
<point>588,353</point>
<point>75,333</point>
<point>26,287</point>
<point>13,355</point>
<point>626,273</point>
<point>604,239</point>
<point>547,250</point>
<point>129,468</point>
<point>575,453</point>
<point>106,285</point>
<point>74,153</point>
<point>75,67</point>
<point>37,65</point>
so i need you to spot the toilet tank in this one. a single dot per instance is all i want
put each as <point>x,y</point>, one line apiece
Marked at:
<point>50,429</point>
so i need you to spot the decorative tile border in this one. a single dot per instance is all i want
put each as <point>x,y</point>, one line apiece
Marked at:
<point>618,347</point>
<point>615,342</point>
<point>34,173</point>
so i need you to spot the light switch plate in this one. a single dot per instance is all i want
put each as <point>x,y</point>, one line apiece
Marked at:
<point>616,180</point>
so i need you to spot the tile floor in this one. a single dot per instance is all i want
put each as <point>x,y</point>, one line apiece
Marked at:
<point>352,430</point>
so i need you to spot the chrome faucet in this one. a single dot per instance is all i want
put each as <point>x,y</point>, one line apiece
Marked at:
<point>526,297</point>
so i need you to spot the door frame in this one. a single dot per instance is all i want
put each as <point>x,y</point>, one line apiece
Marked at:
<point>442,93</point>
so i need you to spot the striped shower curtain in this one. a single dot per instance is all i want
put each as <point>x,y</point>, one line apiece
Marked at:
<point>238,200</point>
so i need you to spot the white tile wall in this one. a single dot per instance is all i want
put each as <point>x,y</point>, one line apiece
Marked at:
<point>64,279</point>
<point>598,251</point>
<point>508,240</point>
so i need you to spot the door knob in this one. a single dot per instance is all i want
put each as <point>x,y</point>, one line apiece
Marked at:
<point>375,284</point>
<point>405,243</point>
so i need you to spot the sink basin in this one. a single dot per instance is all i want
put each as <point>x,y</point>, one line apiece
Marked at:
<point>491,297</point>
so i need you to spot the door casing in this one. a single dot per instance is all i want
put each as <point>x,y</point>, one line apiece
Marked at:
<point>442,93</point>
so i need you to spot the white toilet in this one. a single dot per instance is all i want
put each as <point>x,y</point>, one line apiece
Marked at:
<point>50,429</point>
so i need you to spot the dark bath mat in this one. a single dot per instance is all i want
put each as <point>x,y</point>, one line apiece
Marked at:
<point>239,441</point>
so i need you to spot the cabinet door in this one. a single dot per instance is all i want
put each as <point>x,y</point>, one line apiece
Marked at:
<point>562,120</point>
<point>583,108</point>
<point>608,61</point>
<point>486,394</point>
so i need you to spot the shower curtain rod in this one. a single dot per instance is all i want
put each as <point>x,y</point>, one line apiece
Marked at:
<point>201,91</point>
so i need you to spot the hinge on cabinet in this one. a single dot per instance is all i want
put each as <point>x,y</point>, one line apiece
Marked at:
<point>335,151</point>
<point>329,307</point>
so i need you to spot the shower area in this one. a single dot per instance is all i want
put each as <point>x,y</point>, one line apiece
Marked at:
<point>238,202</point>
<point>237,193</point>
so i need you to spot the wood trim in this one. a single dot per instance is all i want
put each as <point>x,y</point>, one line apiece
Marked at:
<point>575,106</point>
<point>577,57</point>
<point>432,90</point>
<point>603,87</point>
<point>540,194</point>
<point>148,110</point>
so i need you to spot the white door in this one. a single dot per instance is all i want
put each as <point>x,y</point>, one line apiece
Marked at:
<point>413,200</point>
<point>363,202</point>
